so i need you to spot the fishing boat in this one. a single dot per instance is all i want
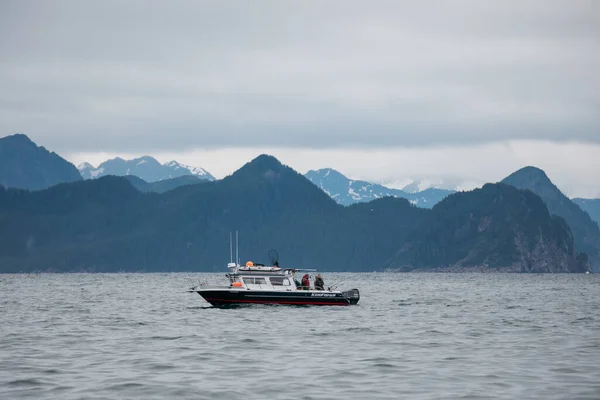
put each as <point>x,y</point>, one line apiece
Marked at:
<point>255,283</point>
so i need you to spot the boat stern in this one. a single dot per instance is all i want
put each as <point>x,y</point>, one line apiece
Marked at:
<point>353,295</point>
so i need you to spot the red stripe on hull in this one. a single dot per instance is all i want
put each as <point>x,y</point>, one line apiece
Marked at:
<point>319,303</point>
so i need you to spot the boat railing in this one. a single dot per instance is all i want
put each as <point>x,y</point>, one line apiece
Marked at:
<point>196,283</point>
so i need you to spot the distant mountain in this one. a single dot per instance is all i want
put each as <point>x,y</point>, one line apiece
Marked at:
<point>419,185</point>
<point>346,191</point>
<point>429,197</point>
<point>413,187</point>
<point>591,206</point>
<point>106,224</point>
<point>585,231</point>
<point>164,185</point>
<point>146,168</point>
<point>25,165</point>
<point>497,227</point>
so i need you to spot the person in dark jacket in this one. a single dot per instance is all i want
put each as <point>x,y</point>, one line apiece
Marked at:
<point>305,282</point>
<point>319,284</point>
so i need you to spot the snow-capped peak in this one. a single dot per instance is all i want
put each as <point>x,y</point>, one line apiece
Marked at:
<point>197,171</point>
<point>85,165</point>
<point>146,168</point>
<point>348,191</point>
<point>193,170</point>
<point>172,163</point>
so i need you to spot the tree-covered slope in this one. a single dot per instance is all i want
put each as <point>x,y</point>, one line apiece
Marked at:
<point>164,185</point>
<point>585,231</point>
<point>497,226</point>
<point>591,206</point>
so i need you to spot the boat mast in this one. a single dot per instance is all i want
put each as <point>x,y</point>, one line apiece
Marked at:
<point>230,249</point>
<point>237,251</point>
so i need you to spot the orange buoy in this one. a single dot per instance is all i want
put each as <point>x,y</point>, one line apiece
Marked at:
<point>236,284</point>
<point>249,264</point>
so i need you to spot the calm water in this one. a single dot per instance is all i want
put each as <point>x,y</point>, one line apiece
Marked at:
<point>417,336</point>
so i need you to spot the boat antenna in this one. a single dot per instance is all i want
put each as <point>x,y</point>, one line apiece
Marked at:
<point>274,257</point>
<point>230,249</point>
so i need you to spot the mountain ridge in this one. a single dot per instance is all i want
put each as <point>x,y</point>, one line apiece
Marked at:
<point>496,226</point>
<point>346,191</point>
<point>25,165</point>
<point>585,230</point>
<point>164,185</point>
<point>146,167</point>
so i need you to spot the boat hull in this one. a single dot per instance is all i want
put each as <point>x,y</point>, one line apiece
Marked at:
<point>228,297</point>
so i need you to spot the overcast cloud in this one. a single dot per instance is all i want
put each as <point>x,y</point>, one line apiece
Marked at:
<point>85,77</point>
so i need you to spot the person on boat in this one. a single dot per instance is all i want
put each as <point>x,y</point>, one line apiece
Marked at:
<point>319,283</point>
<point>305,282</point>
<point>296,281</point>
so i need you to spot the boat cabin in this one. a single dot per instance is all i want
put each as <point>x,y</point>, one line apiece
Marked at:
<point>260,277</point>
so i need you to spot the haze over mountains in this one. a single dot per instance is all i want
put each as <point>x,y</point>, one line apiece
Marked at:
<point>110,223</point>
<point>420,185</point>
<point>344,190</point>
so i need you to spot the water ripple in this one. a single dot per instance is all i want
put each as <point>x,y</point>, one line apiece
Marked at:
<point>417,336</point>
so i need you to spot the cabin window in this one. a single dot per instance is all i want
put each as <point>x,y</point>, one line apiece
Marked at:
<point>277,280</point>
<point>255,281</point>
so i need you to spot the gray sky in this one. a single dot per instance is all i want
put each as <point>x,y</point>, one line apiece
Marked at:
<point>332,79</point>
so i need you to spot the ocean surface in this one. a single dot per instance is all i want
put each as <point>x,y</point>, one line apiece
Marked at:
<point>414,336</point>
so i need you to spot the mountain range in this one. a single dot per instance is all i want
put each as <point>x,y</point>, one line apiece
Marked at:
<point>346,191</point>
<point>146,168</point>
<point>113,223</point>
<point>106,224</point>
<point>30,167</point>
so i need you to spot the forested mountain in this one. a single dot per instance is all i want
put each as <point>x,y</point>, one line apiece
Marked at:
<point>347,191</point>
<point>146,168</point>
<point>585,231</point>
<point>591,206</point>
<point>164,185</point>
<point>108,225</point>
<point>25,165</point>
<point>496,226</point>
